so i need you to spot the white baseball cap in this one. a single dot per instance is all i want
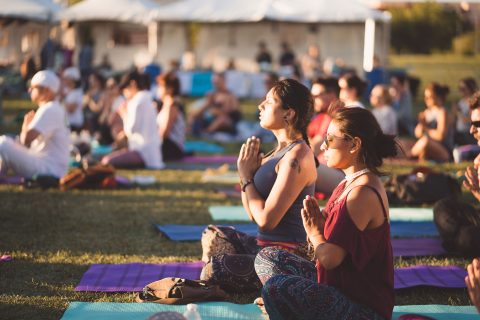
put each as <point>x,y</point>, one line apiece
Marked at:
<point>47,79</point>
<point>72,73</point>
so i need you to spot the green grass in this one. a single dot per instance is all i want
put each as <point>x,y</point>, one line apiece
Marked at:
<point>54,236</point>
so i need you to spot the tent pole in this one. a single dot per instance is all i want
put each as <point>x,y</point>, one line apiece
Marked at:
<point>369,45</point>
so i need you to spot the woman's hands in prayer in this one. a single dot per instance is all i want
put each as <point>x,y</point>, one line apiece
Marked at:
<point>249,159</point>
<point>313,219</point>
<point>471,183</point>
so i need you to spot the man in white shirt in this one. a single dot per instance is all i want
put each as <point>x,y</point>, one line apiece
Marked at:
<point>44,143</point>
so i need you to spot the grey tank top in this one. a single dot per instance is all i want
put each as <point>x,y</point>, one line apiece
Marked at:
<point>290,228</point>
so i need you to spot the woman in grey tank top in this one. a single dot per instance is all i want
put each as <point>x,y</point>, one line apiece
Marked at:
<point>273,189</point>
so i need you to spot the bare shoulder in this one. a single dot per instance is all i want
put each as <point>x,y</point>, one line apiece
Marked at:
<point>363,203</point>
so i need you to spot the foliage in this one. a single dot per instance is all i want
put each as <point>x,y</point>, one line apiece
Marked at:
<point>423,28</point>
<point>466,43</point>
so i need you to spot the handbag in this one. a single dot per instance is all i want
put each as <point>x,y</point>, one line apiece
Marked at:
<point>179,291</point>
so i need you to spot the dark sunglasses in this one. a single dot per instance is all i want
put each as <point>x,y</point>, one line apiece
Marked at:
<point>329,139</point>
<point>476,124</point>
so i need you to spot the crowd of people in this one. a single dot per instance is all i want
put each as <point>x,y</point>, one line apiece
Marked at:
<point>326,141</point>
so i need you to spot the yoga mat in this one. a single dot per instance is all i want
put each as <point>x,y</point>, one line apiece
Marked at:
<point>184,232</point>
<point>202,147</point>
<point>142,311</point>
<point>417,247</point>
<point>434,276</point>
<point>14,180</point>
<point>217,159</point>
<point>438,312</point>
<point>237,213</point>
<point>226,310</point>
<point>134,276</point>
<point>407,229</point>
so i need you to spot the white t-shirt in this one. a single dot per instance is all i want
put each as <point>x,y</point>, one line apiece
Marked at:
<point>387,119</point>
<point>75,96</point>
<point>140,127</point>
<point>53,143</point>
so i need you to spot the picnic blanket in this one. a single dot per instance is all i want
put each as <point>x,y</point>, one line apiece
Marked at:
<point>237,213</point>
<point>184,232</point>
<point>226,310</point>
<point>134,276</point>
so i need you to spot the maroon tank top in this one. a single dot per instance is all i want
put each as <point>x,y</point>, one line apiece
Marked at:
<point>366,274</point>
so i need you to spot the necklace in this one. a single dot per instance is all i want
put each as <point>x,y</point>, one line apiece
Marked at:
<point>350,177</point>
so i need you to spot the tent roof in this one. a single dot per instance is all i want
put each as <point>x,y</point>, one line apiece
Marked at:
<point>135,11</point>
<point>309,11</point>
<point>40,10</point>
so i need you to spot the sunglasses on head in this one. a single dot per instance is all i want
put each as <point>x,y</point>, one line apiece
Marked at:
<point>476,124</point>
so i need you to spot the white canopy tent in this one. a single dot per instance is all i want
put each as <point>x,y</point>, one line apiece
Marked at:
<point>25,27</point>
<point>36,10</point>
<point>123,30</point>
<point>346,29</point>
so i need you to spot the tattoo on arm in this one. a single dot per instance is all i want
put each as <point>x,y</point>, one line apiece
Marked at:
<point>295,165</point>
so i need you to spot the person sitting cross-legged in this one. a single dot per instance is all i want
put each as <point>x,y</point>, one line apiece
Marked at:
<point>352,277</point>
<point>43,148</point>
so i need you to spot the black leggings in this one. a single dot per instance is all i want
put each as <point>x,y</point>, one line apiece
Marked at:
<point>459,226</point>
<point>171,151</point>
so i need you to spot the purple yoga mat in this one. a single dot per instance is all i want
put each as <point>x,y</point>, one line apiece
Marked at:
<point>443,277</point>
<point>132,277</point>
<point>417,247</point>
<point>15,180</point>
<point>210,159</point>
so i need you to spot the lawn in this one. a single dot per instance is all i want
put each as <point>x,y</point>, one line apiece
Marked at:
<point>55,236</point>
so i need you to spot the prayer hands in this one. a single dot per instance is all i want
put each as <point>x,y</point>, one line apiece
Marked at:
<point>249,159</point>
<point>472,280</point>
<point>313,218</point>
<point>471,183</point>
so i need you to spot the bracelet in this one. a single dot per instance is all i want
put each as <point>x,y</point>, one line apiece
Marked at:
<point>244,184</point>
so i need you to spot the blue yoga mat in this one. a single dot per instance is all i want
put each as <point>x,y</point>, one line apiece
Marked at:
<point>141,311</point>
<point>438,312</point>
<point>202,147</point>
<point>399,229</point>
<point>182,232</point>
<point>418,229</point>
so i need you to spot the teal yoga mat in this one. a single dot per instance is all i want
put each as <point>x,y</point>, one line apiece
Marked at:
<point>225,310</point>
<point>438,312</point>
<point>141,311</point>
<point>237,213</point>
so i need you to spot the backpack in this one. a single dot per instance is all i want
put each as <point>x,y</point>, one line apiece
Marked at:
<point>179,291</point>
<point>421,187</point>
<point>97,176</point>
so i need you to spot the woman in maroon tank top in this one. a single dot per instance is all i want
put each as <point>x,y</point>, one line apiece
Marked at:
<point>352,277</point>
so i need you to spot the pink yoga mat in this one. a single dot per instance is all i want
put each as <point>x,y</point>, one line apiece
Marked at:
<point>132,277</point>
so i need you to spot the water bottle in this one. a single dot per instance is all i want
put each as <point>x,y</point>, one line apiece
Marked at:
<point>192,313</point>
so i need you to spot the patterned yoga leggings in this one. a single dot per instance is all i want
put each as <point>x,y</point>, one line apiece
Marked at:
<point>290,290</point>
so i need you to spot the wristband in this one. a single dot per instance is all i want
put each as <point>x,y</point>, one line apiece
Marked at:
<point>244,184</point>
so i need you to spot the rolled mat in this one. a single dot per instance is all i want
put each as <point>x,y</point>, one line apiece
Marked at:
<point>434,276</point>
